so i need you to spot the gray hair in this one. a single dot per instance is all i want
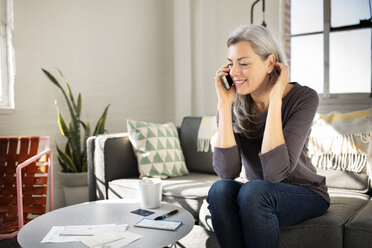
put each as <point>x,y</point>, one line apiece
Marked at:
<point>263,44</point>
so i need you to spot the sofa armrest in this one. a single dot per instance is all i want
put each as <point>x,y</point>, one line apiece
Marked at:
<point>91,178</point>
<point>110,157</point>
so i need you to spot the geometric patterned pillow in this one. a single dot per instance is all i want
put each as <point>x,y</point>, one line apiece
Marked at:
<point>157,148</point>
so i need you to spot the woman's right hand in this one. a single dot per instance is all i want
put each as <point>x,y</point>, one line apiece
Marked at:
<point>225,97</point>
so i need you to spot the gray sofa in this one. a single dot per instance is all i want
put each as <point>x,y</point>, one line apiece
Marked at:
<point>112,168</point>
<point>113,173</point>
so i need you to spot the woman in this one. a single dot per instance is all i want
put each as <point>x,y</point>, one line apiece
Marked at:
<point>263,125</point>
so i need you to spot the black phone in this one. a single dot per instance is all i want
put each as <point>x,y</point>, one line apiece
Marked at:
<point>227,81</point>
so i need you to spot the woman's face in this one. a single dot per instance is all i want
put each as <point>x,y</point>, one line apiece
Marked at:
<point>247,69</point>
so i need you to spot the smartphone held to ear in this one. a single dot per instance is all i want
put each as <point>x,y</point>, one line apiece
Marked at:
<point>227,81</point>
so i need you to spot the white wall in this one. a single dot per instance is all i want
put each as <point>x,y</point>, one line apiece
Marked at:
<point>152,60</point>
<point>116,52</point>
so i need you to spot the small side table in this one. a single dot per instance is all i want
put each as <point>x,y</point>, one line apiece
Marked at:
<point>105,212</point>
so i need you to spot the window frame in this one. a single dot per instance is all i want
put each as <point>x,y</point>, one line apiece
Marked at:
<point>7,70</point>
<point>361,100</point>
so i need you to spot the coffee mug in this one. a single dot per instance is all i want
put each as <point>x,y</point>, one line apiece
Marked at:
<point>150,190</point>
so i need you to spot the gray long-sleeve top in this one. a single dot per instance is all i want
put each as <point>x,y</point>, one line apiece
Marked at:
<point>286,163</point>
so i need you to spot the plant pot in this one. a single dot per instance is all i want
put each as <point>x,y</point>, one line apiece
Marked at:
<point>75,187</point>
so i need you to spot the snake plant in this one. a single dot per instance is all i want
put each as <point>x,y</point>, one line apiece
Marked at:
<point>74,156</point>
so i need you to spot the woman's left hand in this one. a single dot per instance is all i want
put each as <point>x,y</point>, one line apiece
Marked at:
<point>279,87</point>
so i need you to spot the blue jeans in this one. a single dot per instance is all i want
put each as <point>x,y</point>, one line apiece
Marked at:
<point>250,214</point>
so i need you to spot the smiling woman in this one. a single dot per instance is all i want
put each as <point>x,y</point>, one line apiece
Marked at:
<point>263,124</point>
<point>6,57</point>
<point>260,52</point>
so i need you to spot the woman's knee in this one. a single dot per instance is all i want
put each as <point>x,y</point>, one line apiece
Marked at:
<point>253,193</point>
<point>222,188</point>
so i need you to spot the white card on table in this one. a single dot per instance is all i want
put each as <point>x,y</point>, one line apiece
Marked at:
<point>159,224</point>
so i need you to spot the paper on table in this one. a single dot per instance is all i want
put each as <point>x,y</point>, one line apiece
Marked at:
<point>54,236</point>
<point>129,238</point>
<point>77,231</point>
<point>107,235</point>
<point>111,240</point>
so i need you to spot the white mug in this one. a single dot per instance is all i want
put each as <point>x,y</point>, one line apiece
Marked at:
<point>150,190</point>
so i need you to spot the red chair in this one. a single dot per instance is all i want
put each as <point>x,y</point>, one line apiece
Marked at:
<point>24,174</point>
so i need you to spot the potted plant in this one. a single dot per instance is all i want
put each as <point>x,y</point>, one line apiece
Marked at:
<point>73,159</point>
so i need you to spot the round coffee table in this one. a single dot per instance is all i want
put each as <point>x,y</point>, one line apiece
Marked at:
<point>105,212</point>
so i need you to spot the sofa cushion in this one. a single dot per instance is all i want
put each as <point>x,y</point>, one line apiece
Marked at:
<point>358,231</point>
<point>338,179</point>
<point>187,191</point>
<point>157,148</point>
<point>195,161</point>
<point>324,231</point>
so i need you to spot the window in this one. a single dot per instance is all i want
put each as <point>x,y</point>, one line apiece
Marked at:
<point>6,57</point>
<point>329,45</point>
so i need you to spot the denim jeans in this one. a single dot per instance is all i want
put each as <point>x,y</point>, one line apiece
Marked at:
<point>250,214</point>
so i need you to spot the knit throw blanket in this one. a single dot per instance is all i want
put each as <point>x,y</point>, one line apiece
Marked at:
<point>207,128</point>
<point>342,141</point>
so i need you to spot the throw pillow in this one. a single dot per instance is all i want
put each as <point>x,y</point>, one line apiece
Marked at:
<point>157,148</point>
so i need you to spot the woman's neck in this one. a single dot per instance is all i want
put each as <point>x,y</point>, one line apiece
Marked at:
<point>261,102</point>
<point>261,98</point>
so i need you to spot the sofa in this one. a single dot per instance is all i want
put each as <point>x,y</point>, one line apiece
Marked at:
<point>113,173</point>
